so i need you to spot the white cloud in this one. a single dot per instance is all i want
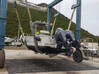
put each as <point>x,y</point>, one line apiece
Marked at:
<point>90,13</point>
<point>40,1</point>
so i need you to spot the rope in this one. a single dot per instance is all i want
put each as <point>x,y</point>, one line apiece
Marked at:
<point>70,22</point>
<point>35,41</point>
<point>71,19</point>
<point>20,26</point>
<point>52,31</point>
<point>28,11</point>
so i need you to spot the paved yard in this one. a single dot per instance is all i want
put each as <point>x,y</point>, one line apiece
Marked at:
<point>26,61</point>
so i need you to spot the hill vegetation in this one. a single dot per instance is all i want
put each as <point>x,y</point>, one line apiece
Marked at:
<point>12,23</point>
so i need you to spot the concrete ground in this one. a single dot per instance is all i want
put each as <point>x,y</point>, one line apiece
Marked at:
<point>27,62</point>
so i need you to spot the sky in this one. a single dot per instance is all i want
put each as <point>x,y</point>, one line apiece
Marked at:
<point>90,12</point>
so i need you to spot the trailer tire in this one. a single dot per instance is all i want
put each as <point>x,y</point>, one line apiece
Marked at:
<point>2,58</point>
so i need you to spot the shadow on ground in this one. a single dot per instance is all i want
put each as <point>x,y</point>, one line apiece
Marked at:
<point>44,65</point>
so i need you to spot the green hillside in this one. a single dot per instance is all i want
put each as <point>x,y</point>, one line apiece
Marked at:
<point>12,23</point>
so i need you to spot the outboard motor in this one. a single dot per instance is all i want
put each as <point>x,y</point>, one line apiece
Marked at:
<point>67,39</point>
<point>63,38</point>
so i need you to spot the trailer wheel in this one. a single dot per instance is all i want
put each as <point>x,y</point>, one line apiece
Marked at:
<point>77,56</point>
<point>2,58</point>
